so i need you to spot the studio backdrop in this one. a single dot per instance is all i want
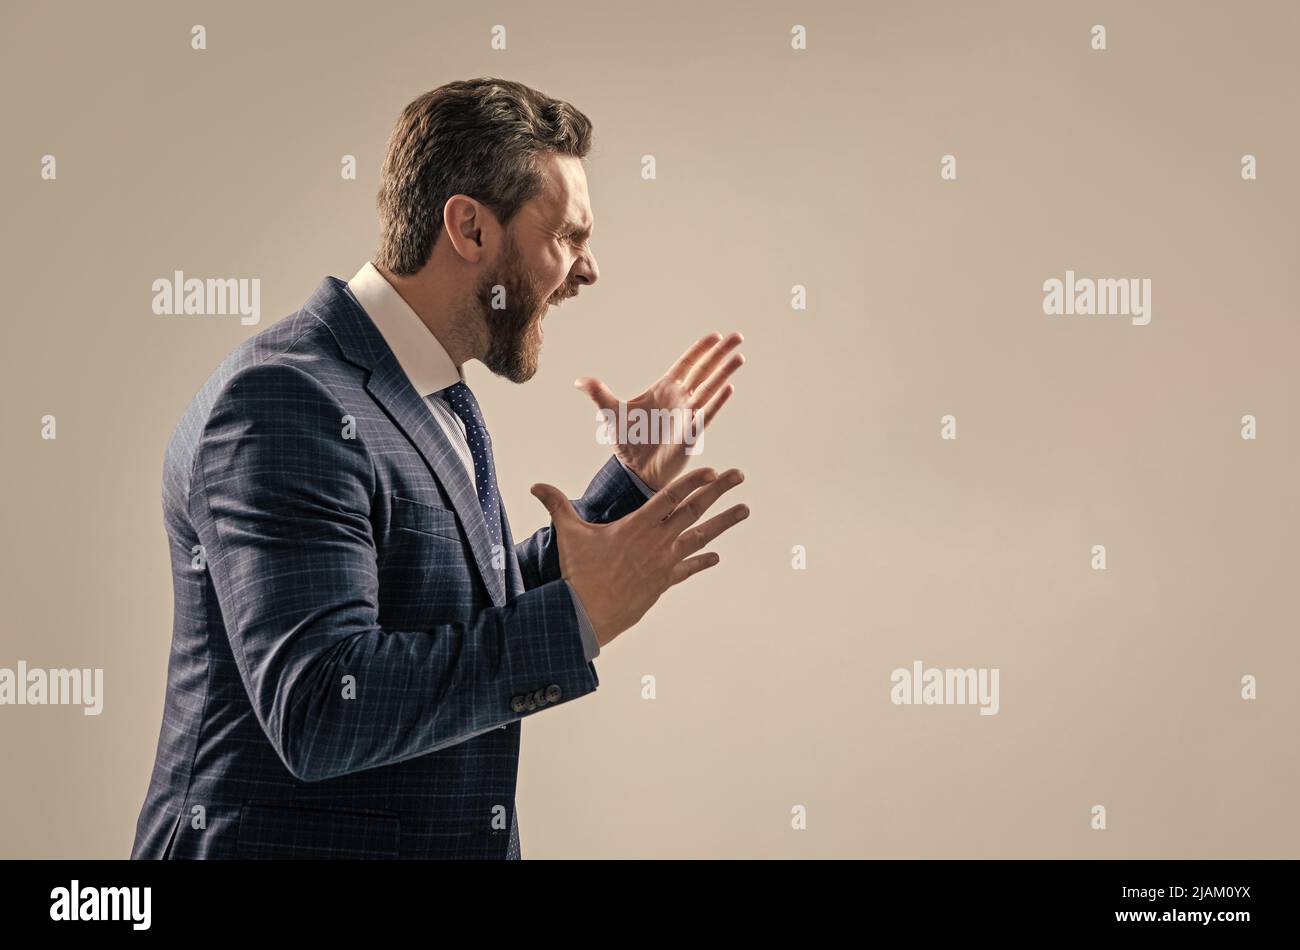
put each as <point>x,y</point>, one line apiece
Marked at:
<point>1018,417</point>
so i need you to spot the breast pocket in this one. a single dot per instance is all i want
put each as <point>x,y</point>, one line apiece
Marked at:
<point>426,567</point>
<point>409,515</point>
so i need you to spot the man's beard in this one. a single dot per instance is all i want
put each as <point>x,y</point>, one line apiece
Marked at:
<point>513,344</point>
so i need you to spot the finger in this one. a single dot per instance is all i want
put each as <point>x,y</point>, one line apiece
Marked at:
<point>704,416</point>
<point>666,500</point>
<point>598,391</point>
<point>700,536</point>
<point>560,508</point>
<point>690,510</point>
<point>713,360</point>
<point>702,394</point>
<point>690,566</point>
<point>692,355</point>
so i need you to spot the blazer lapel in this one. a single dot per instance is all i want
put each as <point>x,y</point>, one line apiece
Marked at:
<point>363,345</point>
<point>514,576</point>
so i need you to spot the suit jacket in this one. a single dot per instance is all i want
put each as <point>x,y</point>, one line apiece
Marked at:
<point>350,663</point>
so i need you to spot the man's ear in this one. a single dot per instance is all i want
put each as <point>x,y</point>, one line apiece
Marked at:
<point>470,226</point>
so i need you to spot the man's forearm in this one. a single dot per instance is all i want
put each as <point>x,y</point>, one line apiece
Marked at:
<point>376,697</point>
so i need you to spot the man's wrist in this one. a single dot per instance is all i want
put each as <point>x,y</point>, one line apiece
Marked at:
<point>636,479</point>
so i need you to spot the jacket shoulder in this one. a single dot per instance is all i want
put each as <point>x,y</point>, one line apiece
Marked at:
<point>293,347</point>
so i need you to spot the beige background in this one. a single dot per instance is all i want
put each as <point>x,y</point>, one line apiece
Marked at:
<point>775,168</point>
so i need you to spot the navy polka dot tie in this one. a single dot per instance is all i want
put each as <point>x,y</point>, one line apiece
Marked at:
<point>463,403</point>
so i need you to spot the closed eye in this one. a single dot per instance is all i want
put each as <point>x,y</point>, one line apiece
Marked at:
<point>576,235</point>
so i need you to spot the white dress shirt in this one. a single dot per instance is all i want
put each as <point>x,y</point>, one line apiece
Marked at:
<point>426,364</point>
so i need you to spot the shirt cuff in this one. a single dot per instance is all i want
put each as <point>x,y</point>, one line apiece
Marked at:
<point>645,489</point>
<point>590,645</point>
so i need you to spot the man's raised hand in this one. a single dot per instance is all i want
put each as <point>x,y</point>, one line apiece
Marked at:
<point>618,570</point>
<point>692,392</point>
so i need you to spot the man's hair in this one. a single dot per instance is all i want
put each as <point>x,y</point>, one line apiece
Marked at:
<point>477,137</point>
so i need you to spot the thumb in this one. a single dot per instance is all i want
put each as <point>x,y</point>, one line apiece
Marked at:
<point>559,507</point>
<point>598,391</point>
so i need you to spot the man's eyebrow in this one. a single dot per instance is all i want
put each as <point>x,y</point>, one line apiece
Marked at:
<point>575,230</point>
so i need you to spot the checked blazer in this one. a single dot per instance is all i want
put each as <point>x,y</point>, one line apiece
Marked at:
<point>350,658</point>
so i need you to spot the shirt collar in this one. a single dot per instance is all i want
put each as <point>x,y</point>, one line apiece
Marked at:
<point>418,352</point>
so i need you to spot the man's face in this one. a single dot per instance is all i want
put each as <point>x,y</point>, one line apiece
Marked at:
<point>544,260</point>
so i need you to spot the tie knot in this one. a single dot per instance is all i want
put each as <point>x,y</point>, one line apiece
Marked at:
<point>461,399</point>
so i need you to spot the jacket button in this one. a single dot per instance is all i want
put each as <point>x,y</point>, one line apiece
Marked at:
<point>517,704</point>
<point>553,693</point>
<point>531,703</point>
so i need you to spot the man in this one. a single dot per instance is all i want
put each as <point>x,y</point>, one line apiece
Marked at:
<point>357,637</point>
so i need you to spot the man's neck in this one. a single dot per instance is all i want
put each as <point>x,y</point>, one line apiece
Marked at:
<point>438,311</point>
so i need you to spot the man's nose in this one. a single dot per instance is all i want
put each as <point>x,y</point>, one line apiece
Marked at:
<point>585,270</point>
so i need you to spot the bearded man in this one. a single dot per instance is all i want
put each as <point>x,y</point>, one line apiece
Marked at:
<point>357,636</point>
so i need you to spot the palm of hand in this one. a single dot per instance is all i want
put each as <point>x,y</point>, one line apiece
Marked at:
<point>656,433</point>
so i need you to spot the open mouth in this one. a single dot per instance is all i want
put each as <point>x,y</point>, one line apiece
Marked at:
<point>553,302</point>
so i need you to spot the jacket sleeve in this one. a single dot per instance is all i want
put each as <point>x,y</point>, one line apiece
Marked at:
<point>281,502</point>
<point>610,496</point>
